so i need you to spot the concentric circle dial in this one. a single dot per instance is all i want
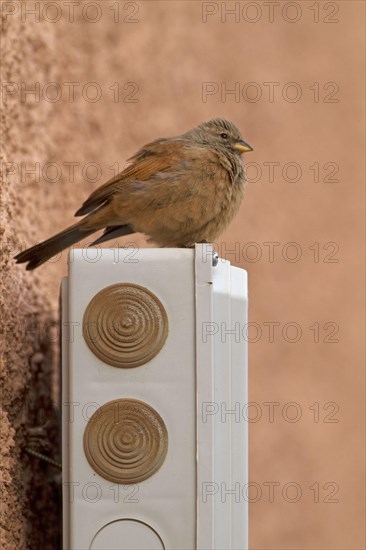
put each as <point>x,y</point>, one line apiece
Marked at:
<point>125,325</point>
<point>126,441</point>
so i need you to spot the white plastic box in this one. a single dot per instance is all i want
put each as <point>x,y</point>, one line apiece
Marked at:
<point>192,456</point>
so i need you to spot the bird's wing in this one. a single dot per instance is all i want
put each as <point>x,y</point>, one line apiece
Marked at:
<point>158,156</point>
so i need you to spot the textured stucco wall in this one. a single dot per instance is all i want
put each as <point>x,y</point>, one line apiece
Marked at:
<point>167,51</point>
<point>29,488</point>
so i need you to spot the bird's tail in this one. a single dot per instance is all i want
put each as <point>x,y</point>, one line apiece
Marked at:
<point>40,253</point>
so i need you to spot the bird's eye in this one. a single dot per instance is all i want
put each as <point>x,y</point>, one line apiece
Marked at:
<point>224,136</point>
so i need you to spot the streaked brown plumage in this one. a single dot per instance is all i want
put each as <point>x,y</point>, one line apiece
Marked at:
<point>178,191</point>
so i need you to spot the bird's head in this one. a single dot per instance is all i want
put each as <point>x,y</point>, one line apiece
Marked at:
<point>221,134</point>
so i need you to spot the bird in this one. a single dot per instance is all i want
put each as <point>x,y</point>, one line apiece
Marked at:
<point>178,191</point>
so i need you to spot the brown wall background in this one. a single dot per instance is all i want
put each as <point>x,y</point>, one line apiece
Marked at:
<point>168,53</point>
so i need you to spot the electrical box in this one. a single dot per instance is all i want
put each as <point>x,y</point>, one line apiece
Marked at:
<point>154,372</point>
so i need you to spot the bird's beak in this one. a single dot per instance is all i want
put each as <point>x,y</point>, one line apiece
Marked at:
<point>242,146</point>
